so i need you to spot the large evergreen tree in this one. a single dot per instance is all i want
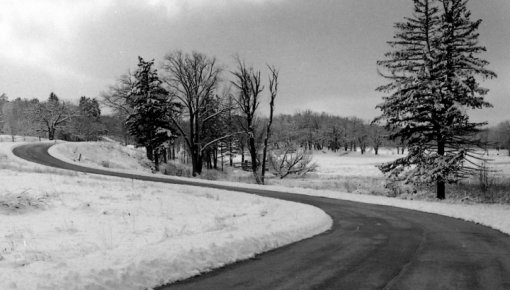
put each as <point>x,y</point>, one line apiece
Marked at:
<point>86,125</point>
<point>432,68</point>
<point>148,122</point>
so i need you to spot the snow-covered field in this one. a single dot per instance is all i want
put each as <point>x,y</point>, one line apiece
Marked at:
<point>67,230</point>
<point>352,172</point>
<point>355,164</point>
<point>496,216</point>
<point>351,163</point>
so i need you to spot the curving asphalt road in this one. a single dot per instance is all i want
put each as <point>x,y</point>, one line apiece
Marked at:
<point>369,247</point>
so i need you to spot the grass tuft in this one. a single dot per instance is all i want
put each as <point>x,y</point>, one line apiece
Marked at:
<point>22,202</point>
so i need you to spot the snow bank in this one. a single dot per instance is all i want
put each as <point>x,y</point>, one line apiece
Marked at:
<point>68,230</point>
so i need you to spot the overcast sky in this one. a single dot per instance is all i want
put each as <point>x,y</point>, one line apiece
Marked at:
<point>326,50</point>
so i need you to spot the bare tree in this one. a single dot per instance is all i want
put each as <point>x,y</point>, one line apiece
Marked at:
<point>273,90</point>
<point>290,160</point>
<point>117,98</point>
<point>11,121</point>
<point>248,82</point>
<point>376,136</point>
<point>192,80</point>
<point>52,114</point>
<point>3,101</point>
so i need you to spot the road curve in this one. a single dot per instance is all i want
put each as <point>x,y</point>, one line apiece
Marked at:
<point>369,247</point>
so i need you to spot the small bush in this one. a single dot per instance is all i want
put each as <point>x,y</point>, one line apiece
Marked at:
<point>349,186</point>
<point>291,161</point>
<point>396,188</point>
<point>176,169</point>
<point>212,175</point>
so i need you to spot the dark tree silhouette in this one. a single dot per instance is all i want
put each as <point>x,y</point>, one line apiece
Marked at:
<point>432,70</point>
<point>149,120</point>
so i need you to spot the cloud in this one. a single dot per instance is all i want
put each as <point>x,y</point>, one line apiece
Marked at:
<point>176,7</point>
<point>35,32</point>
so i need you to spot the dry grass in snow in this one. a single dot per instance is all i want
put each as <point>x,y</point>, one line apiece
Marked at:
<point>65,230</point>
<point>17,138</point>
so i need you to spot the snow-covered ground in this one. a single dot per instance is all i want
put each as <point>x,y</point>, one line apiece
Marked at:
<point>351,163</point>
<point>105,154</point>
<point>65,230</point>
<point>355,164</point>
<point>492,215</point>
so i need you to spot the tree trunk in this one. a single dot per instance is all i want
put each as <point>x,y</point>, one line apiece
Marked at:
<point>51,133</point>
<point>210,157</point>
<point>215,158</point>
<point>231,160</point>
<point>221,154</point>
<point>196,161</point>
<point>440,184</point>
<point>268,135</point>
<point>149,152</point>
<point>441,192</point>
<point>156,160</point>
<point>253,155</point>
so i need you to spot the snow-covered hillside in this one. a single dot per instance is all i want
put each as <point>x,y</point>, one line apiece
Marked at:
<point>104,154</point>
<point>67,230</point>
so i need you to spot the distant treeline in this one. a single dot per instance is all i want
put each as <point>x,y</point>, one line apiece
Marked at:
<point>55,119</point>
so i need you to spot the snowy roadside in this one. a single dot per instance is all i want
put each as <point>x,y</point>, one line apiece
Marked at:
<point>495,216</point>
<point>65,230</point>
